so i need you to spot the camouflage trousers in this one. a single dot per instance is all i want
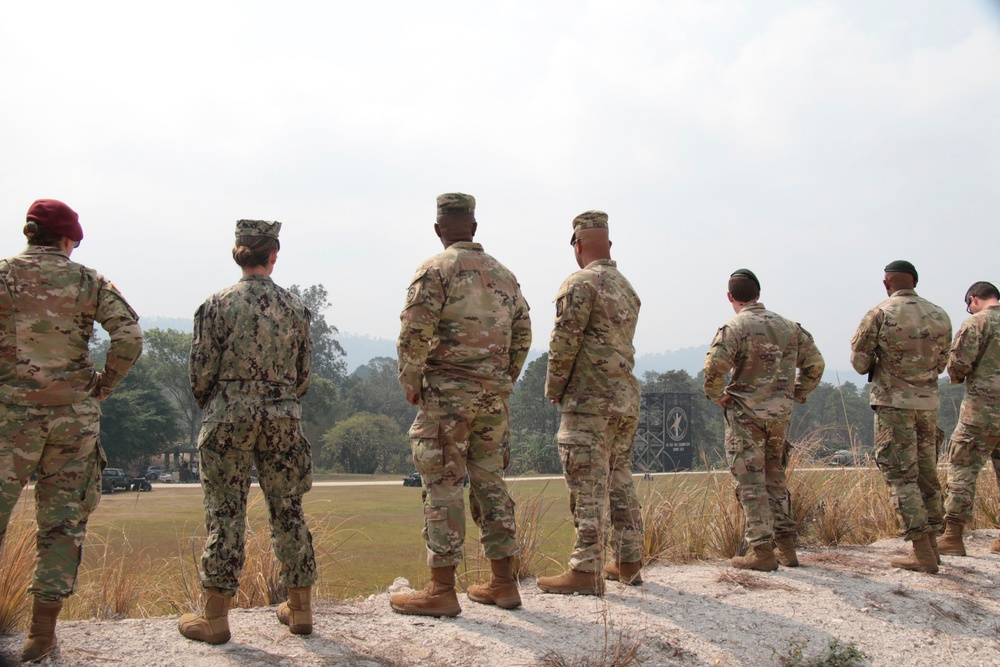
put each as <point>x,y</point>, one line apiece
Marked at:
<point>60,444</point>
<point>757,453</point>
<point>284,467</point>
<point>906,453</point>
<point>968,451</point>
<point>596,453</point>
<point>459,429</point>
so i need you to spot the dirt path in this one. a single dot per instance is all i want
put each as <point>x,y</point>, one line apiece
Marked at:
<point>704,614</point>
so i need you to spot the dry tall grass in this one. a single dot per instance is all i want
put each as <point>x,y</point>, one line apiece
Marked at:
<point>528,515</point>
<point>116,589</point>
<point>130,583</point>
<point>17,562</point>
<point>831,506</point>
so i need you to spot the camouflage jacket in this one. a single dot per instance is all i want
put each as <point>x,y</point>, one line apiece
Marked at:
<point>762,349</point>
<point>905,341</point>
<point>590,353</point>
<point>464,320</point>
<point>48,306</point>
<point>251,353</point>
<point>975,359</point>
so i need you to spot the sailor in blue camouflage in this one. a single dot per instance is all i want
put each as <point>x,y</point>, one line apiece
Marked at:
<point>251,355</point>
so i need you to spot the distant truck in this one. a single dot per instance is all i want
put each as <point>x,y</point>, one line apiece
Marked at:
<point>113,479</point>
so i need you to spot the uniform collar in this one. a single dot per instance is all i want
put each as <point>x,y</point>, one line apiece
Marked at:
<point>466,245</point>
<point>256,276</point>
<point>602,262</point>
<point>43,250</point>
<point>904,292</point>
<point>756,305</point>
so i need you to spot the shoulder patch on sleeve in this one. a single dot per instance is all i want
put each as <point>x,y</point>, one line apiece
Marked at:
<point>413,294</point>
<point>563,302</point>
<point>110,286</point>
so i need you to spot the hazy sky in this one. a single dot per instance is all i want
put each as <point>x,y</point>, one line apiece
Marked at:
<point>812,142</point>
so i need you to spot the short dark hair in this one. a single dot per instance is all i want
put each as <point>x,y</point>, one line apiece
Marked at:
<point>743,288</point>
<point>982,290</point>
<point>254,250</point>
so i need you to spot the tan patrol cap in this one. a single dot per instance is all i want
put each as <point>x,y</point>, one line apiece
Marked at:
<point>588,220</point>
<point>456,202</point>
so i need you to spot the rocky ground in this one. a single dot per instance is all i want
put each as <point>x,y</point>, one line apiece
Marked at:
<point>703,614</point>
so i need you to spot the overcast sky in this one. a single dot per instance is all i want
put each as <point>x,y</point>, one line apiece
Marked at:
<point>812,142</point>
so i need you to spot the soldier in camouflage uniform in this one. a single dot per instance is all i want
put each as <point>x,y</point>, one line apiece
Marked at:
<point>975,360</point>
<point>464,337</point>
<point>251,356</point>
<point>903,344</point>
<point>590,377</point>
<point>762,350</point>
<point>49,398</point>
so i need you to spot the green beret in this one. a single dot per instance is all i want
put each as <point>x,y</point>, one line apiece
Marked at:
<point>257,228</point>
<point>456,202</point>
<point>589,220</point>
<point>901,266</point>
<point>746,273</point>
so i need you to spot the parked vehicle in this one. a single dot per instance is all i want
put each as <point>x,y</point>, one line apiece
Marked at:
<point>843,457</point>
<point>413,479</point>
<point>167,477</point>
<point>153,473</point>
<point>113,479</point>
<point>141,484</point>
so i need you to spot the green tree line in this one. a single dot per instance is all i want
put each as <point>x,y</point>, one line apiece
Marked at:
<point>357,422</point>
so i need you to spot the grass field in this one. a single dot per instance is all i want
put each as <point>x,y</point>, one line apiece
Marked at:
<point>142,548</point>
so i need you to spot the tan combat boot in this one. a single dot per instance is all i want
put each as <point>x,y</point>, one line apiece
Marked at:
<point>41,637</point>
<point>502,587</point>
<point>296,613</point>
<point>932,538</point>
<point>951,544</point>
<point>627,573</point>
<point>922,560</point>
<point>761,559</point>
<point>211,626</point>
<point>573,581</point>
<point>784,548</point>
<point>438,597</point>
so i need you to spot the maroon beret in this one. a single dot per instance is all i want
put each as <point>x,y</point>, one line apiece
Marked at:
<point>56,217</point>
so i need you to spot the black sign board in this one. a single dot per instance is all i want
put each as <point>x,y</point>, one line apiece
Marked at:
<point>663,438</point>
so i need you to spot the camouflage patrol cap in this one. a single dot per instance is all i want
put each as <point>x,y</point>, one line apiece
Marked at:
<point>257,228</point>
<point>456,202</point>
<point>746,273</point>
<point>901,266</point>
<point>589,220</point>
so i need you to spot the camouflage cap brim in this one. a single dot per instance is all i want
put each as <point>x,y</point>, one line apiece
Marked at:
<point>590,220</point>
<point>456,202</point>
<point>258,228</point>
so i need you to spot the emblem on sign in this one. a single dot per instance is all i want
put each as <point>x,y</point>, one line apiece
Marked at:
<point>677,424</point>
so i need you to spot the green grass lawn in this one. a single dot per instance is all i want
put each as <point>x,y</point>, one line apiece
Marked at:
<point>365,536</point>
